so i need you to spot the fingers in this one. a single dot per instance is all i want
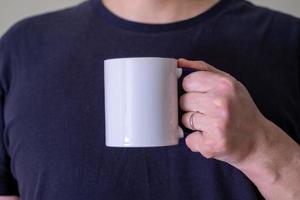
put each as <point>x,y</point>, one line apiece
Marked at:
<point>196,141</point>
<point>200,81</point>
<point>193,101</point>
<point>198,65</point>
<point>204,80</point>
<point>206,103</point>
<point>211,92</point>
<point>200,121</point>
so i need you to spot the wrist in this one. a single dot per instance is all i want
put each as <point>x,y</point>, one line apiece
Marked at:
<point>273,157</point>
<point>261,159</point>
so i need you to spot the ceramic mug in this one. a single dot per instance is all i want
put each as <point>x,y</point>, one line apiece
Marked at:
<point>141,102</point>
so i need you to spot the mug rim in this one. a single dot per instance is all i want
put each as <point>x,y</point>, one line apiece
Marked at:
<point>138,58</point>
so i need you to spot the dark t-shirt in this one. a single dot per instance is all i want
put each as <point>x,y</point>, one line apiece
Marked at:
<point>52,100</point>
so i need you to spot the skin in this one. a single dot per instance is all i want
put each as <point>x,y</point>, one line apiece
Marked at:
<point>158,11</point>
<point>230,128</point>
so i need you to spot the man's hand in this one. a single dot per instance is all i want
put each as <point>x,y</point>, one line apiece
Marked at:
<point>228,124</point>
<point>229,127</point>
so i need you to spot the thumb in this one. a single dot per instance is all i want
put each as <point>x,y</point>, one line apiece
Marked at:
<point>198,65</point>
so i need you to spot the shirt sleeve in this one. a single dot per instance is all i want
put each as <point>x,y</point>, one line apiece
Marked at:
<point>8,184</point>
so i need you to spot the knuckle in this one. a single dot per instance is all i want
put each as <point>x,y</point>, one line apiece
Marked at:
<point>226,85</point>
<point>218,146</point>
<point>203,65</point>
<point>226,74</point>
<point>223,112</point>
<point>221,145</point>
<point>219,102</point>
<point>207,154</point>
<point>221,108</point>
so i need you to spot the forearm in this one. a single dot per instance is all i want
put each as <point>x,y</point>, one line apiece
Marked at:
<point>274,165</point>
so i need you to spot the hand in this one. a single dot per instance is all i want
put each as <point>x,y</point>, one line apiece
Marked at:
<point>228,124</point>
<point>229,127</point>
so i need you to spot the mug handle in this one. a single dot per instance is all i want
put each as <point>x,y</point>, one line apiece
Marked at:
<point>179,72</point>
<point>180,131</point>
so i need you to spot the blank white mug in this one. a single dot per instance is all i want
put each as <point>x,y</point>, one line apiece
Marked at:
<point>141,102</point>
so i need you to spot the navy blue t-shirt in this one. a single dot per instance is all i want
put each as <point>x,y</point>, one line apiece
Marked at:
<point>52,143</point>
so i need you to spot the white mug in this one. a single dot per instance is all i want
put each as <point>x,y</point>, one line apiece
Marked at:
<point>141,102</point>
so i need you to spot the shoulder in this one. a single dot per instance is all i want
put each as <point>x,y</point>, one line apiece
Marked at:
<point>260,15</point>
<point>260,25</point>
<point>248,14</point>
<point>47,24</point>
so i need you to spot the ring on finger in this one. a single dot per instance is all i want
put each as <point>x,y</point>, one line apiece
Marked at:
<point>191,120</point>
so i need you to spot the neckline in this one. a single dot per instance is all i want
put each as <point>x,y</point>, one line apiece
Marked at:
<point>106,14</point>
